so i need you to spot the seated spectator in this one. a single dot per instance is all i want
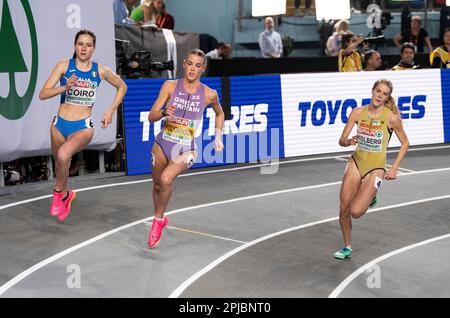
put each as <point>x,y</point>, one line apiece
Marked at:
<point>122,9</point>
<point>207,42</point>
<point>223,51</point>
<point>270,41</point>
<point>334,41</point>
<point>298,11</point>
<point>349,58</point>
<point>165,20</point>
<point>372,60</point>
<point>417,35</point>
<point>147,12</point>
<point>440,57</point>
<point>407,58</point>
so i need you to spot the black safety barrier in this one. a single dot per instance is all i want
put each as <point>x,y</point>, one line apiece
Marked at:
<point>254,66</point>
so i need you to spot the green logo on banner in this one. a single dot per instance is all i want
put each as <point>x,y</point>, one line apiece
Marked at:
<point>11,62</point>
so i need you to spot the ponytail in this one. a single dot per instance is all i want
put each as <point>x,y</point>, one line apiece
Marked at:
<point>390,103</point>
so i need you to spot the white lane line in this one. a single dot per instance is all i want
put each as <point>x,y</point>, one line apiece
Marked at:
<point>338,290</point>
<point>420,149</point>
<point>426,171</point>
<point>49,260</point>
<point>399,170</point>
<point>180,289</point>
<point>402,169</point>
<point>206,234</point>
<point>199,233</point>
<point>6,206</point>
<point>57,256</point>
<point>10,205</point>
<point>406,170</point>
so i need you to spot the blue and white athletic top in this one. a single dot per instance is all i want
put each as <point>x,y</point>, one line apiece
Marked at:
<point>84,91</point>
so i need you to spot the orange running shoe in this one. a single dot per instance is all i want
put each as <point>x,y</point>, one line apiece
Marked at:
<point>66,205</point>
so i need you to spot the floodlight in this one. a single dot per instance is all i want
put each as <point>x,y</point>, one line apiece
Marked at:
<point>262,8</point>
<point>332,9</point>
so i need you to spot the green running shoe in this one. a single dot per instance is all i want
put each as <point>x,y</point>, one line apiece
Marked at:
<point>343,253</point>
<point>374,202</point>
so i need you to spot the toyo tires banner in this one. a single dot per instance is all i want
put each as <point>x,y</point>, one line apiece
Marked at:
<point>316,107</point>
<point>35,35</point>
<point>254,132</point>
<point>280,116</point>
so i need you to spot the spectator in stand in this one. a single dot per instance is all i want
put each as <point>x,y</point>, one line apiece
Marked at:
<point>407,58</point>
<point>334,41</point>
<point>372,60</point>
<point>223,51</point>
<point>270,41</point>
<point>122,9</point>
<point>405,18</point>
<point>147,12</point>
<point>440,57</point>
<point>416,35</point>
<point>298,11</point>
<point>165,20</point>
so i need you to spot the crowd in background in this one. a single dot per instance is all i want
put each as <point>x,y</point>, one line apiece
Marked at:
<point>353,51</point>
<point>150,13</point>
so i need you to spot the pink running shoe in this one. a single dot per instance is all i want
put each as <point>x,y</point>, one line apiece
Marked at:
<point>156,231</point>
<point>66,205</point>
<point>57,205</point>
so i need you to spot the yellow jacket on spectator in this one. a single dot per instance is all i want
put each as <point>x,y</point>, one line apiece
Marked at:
<point>350,63</point>
<point>443,54</point>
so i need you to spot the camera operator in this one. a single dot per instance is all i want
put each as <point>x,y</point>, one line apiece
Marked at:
<point>407,58</point>
<point>349,59</point>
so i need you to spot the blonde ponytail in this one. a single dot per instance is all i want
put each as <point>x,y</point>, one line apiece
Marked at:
<point>390,103</point>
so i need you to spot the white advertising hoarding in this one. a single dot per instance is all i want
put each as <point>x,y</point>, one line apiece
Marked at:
<point>316,107</point>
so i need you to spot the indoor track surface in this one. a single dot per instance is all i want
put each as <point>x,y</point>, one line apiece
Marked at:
<point>233,232</point>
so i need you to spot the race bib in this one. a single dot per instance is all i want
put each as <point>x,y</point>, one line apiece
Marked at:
<point>179,130</point>
<point>370,137</point>
<point>82,93</point>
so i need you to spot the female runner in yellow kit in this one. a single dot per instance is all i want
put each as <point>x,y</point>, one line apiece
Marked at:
<point>366,167</point>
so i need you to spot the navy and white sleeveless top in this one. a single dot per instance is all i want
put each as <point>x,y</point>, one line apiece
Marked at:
<point>84,92</point>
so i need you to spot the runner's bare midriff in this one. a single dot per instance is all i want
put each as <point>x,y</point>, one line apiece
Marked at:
<point>74,112</point>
